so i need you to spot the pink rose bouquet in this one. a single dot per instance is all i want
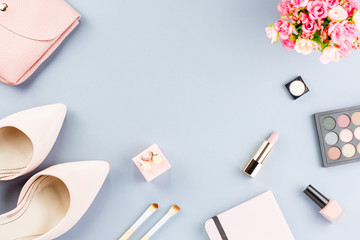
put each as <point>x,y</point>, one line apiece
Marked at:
<point>330,26</point>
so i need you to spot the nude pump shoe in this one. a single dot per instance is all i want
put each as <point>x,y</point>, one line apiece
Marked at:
<point>27,137</point>
<point>54,200</point>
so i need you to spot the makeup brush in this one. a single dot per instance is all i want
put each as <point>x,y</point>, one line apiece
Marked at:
<point>173,210</point>
<point>140,221</point>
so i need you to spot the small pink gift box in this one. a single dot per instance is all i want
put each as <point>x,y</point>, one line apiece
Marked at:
<point>151,163</point>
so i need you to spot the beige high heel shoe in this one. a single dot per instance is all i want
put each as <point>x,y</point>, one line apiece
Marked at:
<point>54,200</point>
<point>27,137</point>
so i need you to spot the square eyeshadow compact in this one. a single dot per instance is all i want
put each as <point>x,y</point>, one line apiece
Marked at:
<point>339,136</point>
<point>297,87</point>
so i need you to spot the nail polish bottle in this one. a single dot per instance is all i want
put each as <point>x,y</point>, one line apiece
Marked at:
<point>330,209</point>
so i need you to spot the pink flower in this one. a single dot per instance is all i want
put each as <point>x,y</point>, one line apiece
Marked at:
<point>343,34</point>
<point>317,9</point>
<point>305,46</point>
<point>303,16</point>
<point>356,44</point>
<point>272,34</point>
<point>306,36</point>
<point>337,32</point>
<point>338,14</point>
<point>288,44</point>
<point>284,7</point>
<point>355,5</point>
<point>350,6</point>
<point>345,48</point>
<point>356,19</point>
<point>324,35</point>
<point>309,26</point>
<point>332,3</point>
<point>300,3</point>
<point>283,28</point>
<point>330,54</point>
<point>351,32</point>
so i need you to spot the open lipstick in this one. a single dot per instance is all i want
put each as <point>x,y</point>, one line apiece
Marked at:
<point>258,159</point>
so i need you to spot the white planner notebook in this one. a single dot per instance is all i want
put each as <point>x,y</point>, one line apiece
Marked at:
<point>259,218</point>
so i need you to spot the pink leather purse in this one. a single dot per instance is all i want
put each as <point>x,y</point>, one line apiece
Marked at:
<point>30,31</point>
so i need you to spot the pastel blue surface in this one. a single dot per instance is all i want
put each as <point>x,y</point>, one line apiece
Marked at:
<point>200,79</point>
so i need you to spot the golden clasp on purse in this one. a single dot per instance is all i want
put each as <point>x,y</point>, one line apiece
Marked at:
<point>3,7</point>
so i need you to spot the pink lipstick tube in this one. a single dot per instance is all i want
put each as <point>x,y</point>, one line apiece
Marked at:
<point>257,161</point>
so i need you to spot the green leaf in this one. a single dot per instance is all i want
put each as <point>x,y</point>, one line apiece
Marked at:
<point>299,29</point>
<point>326,23</point>
<point>317,34</point>
<point>317,40</point>
<point>323,46</point>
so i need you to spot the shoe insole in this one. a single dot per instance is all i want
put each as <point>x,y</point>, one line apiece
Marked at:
<point>42,208</point>
<point>16,151</point>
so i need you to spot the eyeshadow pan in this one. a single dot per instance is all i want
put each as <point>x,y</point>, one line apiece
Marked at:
<point>334,153</point>
<point>297,88</point>
<point>331,138</point>
<point>343,121</point>
<point>357,133</point>
<point>358,148</point>
<point>346,135</point>
<point>348,150</point>
<point>329,123</point>
<point>356,118</point>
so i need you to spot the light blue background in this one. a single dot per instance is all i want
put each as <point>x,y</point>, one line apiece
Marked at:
<point>200,79</point>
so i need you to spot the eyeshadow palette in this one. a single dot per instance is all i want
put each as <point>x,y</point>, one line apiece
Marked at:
<point>339,136</point>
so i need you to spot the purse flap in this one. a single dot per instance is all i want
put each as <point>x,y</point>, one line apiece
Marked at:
<point>38,19</point>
